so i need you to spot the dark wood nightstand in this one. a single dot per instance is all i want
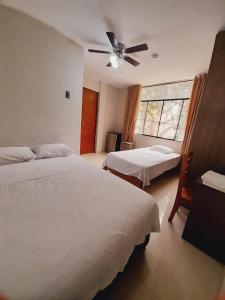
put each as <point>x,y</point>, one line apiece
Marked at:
<point>205,226</point>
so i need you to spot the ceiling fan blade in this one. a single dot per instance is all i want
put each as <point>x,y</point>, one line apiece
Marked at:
<point>109,64</point>
<point>137,48</point>
<point>99,51</point>
<point>112,38</point>
<point>131,61</point>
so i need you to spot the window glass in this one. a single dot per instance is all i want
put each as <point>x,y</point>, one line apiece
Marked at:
<point>154,110</point>
<point>167,131</point>
<point>142,110</point>
<point>163,110</point>
<point>168,91</point>
<point>180,134</point>
<point>182,122</point>
<point>184,113</point>
<point>139,126</point>
<point>171,111</point>
<point>151,128</point>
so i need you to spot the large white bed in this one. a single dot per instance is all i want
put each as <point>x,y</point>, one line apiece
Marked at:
<point>143,164</point>
<point>67,228</point>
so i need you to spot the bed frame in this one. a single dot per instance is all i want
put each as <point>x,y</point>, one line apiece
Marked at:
<point>138,250</point>
<point>132,179</point>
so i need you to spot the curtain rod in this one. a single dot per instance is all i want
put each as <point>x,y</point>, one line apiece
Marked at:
<point>171,82</point>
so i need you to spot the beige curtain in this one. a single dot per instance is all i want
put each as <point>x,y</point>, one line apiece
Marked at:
<point>131,112</point>
<point>196,95</point>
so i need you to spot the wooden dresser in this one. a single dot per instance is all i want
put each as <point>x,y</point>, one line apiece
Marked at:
<point>205,226</point>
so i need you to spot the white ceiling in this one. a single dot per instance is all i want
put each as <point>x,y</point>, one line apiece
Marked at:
<point>182,32</point>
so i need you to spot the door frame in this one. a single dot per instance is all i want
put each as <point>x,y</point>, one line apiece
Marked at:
<point>97,113</point>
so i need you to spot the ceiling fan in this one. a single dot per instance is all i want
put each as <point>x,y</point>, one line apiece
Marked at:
<point>119,52</point>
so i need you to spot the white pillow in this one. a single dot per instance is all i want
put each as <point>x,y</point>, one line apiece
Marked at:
<point>13,155</point>
<point>52,150</point>
<point>162,149</point>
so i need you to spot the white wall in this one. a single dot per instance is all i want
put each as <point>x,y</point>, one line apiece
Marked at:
<point>111,109</point>
<point>145,141</point>
<point>91,83</point>
<point>112,103</point>
<point>37,66</point>
<point>111,113</point>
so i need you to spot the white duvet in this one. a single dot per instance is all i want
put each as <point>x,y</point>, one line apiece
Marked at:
<point>143,163</point>
<point>67,228</point>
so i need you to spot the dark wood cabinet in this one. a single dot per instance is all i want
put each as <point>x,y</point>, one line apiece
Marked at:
<point>208,142</point>
<point>205,226</point>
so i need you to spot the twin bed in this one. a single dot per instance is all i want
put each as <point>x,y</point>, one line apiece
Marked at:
<point>67,228</point>
<point>140,166</point>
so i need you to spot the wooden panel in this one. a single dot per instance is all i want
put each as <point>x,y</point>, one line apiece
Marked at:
<point>132,179</point>
<point>205,227</point>
<point>208,142</point>
<point>88,121</point>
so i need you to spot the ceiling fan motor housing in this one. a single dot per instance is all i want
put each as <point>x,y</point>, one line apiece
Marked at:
<point>120,50</point>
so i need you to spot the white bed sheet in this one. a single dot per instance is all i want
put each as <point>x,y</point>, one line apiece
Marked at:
<point>67,228</point>
<point>143,163</point>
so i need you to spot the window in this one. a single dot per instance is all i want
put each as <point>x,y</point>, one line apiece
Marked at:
<point>163,110</point>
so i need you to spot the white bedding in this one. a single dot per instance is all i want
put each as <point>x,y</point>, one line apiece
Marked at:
<point>214,180</point>
<point>67,228</point>
<point>143,163</point>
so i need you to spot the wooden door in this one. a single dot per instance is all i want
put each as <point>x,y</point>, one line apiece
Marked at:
<point>88,121</point>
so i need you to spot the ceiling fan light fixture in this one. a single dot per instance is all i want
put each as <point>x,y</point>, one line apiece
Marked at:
<point>114,61</point>
<point>121,62</point>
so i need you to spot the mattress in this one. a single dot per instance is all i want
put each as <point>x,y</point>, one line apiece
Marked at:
<point>67,228</point>
<point>144,163</point>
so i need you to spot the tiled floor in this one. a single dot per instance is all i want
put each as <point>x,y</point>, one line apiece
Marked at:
<point>170,269</point>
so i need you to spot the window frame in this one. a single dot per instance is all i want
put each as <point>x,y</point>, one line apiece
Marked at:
<point>177,125</point>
